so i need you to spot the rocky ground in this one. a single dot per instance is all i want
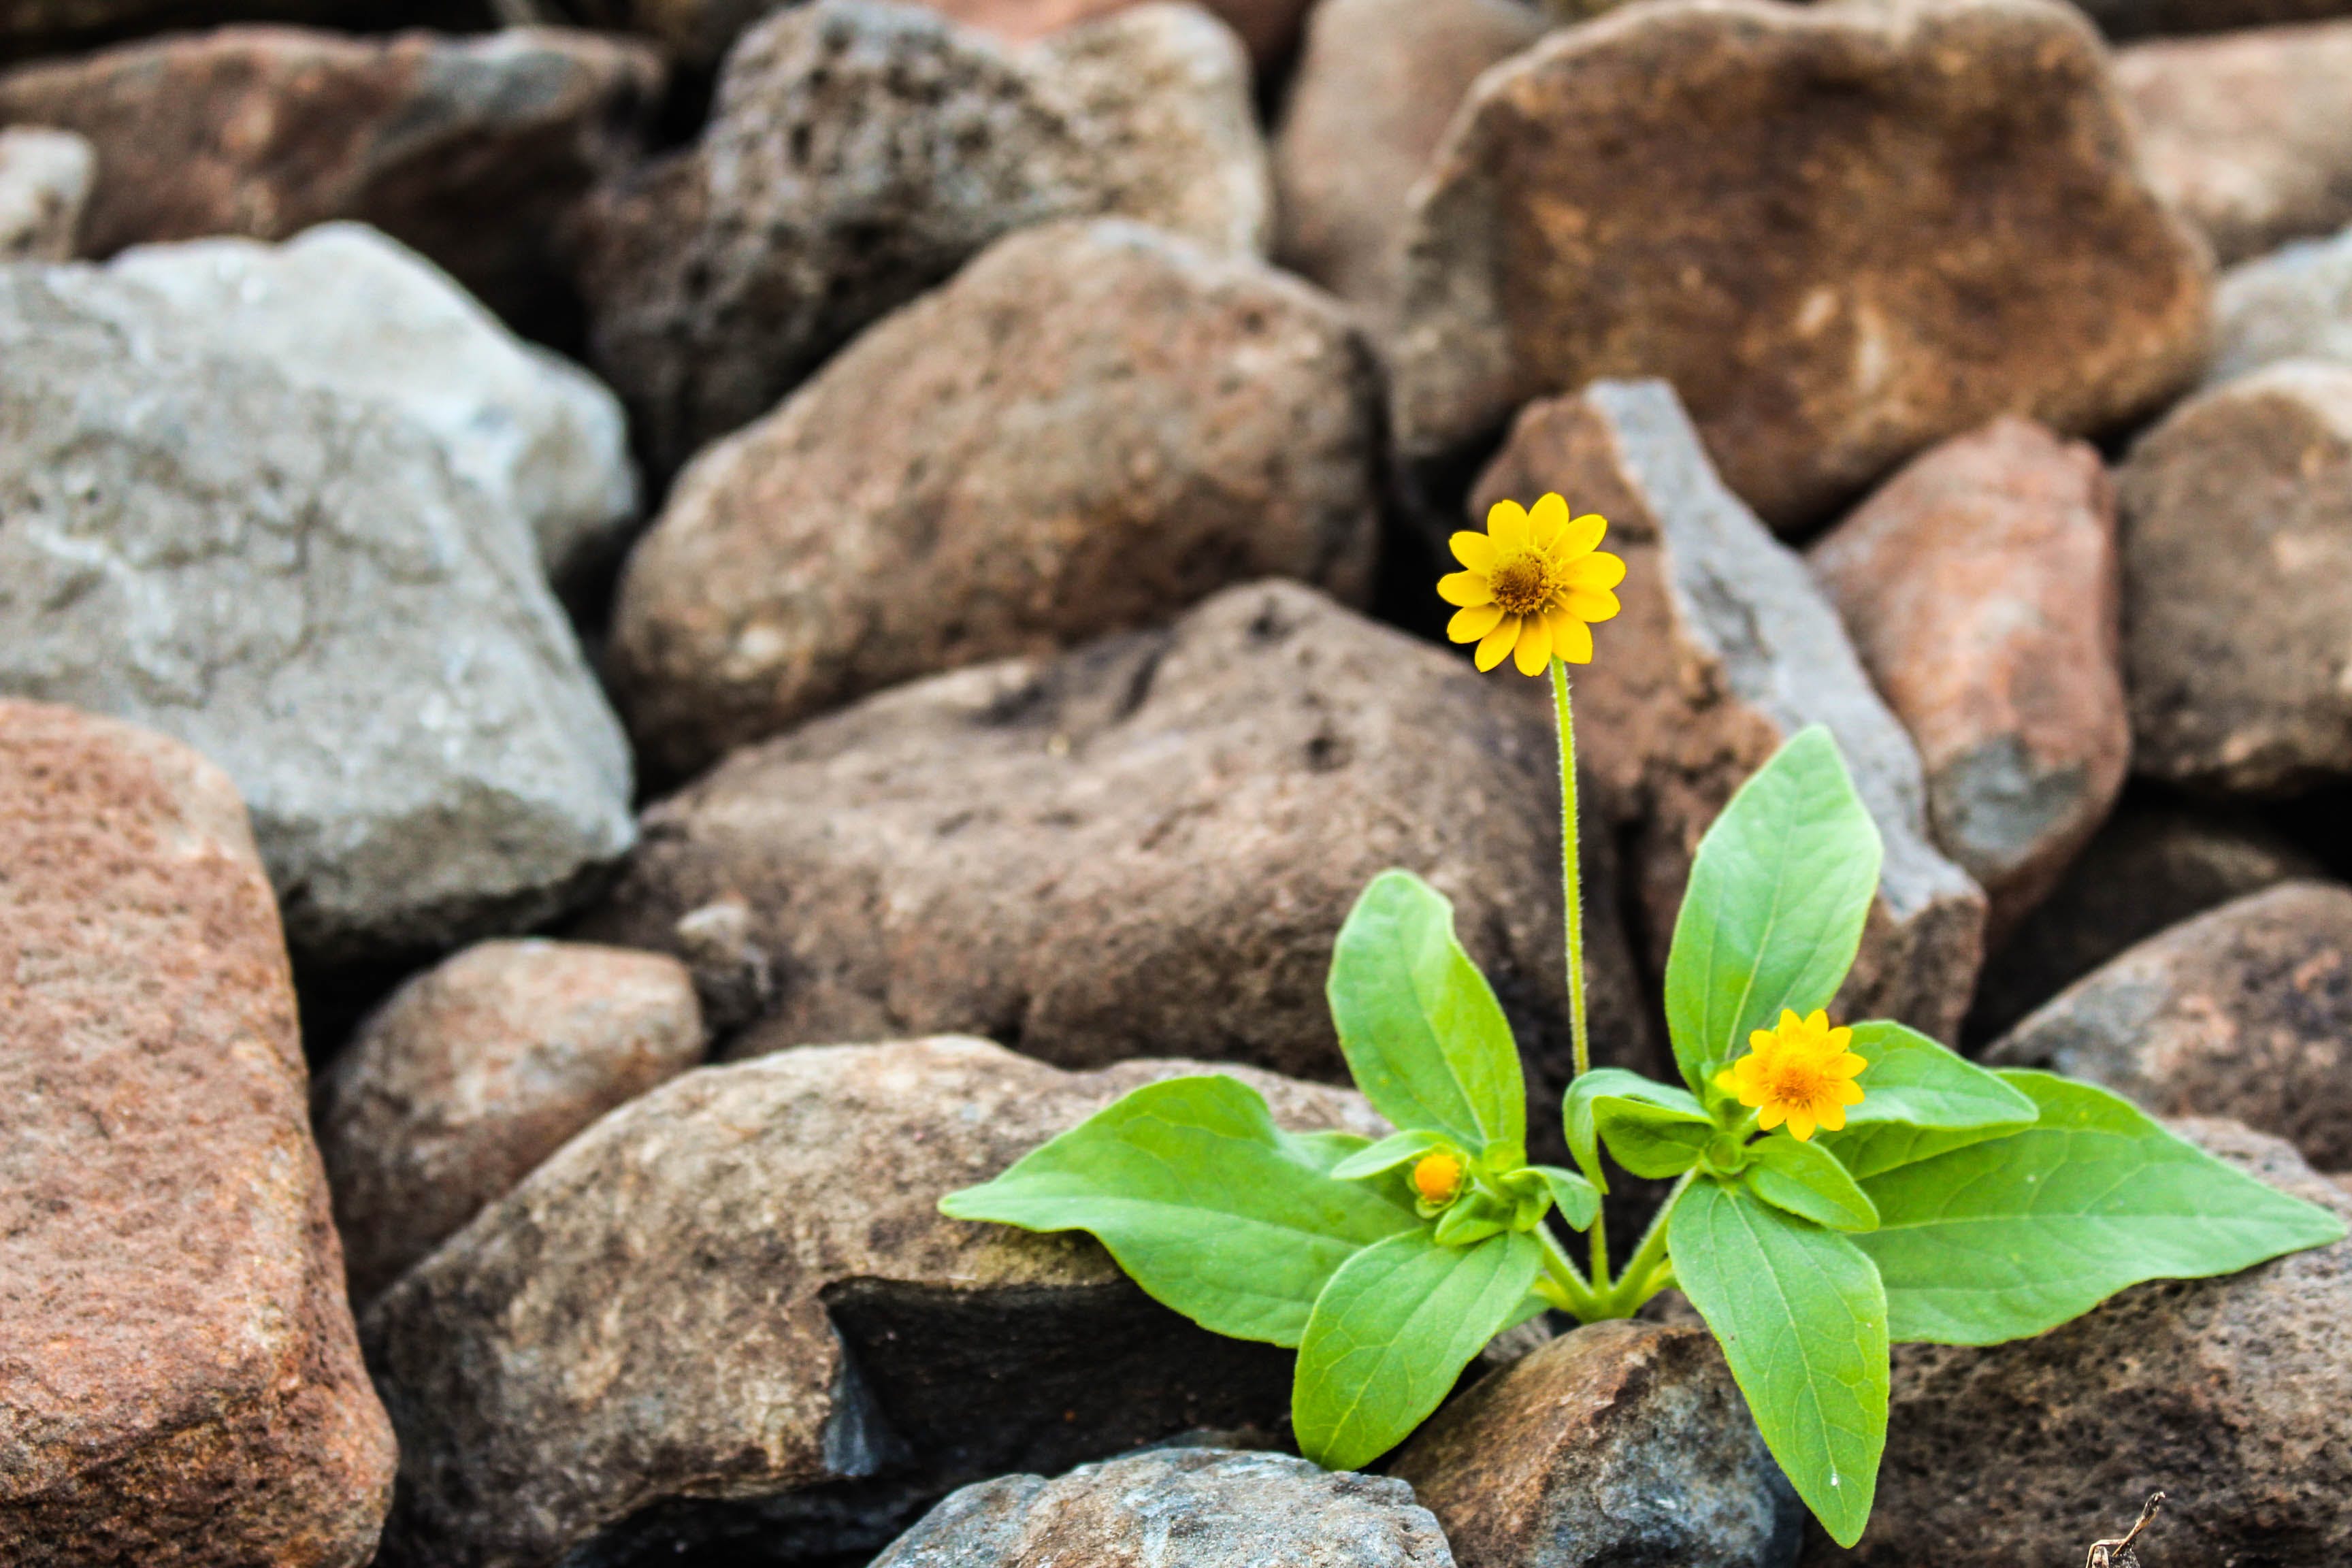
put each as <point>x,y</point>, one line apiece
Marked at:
<point>635,642</point>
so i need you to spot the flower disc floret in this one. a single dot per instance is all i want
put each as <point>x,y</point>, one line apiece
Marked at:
<point>1800,1072</point>
<point>1532,585</point>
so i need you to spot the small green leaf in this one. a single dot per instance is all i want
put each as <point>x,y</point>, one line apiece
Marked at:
<point>1627,1091</point>
<point>1390,1334</point>
<point>1651,1141</point>
<point>1807,1179</point>
<point>1578,1199</point>
<point>1773,916</point>
<point>2014,1236</point>
<point>1914,1084</point>
<point>1207,1204</point>
<point>1396,1148</point>
<point>1802,1320</point>
<point>1475,1218</point>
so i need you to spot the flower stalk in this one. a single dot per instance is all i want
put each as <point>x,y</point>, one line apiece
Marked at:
<point>1571,888</point>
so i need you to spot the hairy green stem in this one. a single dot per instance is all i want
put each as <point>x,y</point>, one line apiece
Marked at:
<point>1636,1285</point>
<point>1568,1289</point>
<point>1571,887</point>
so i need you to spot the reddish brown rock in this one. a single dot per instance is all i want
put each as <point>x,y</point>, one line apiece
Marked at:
<point>1842,232</point>
<point>479,1070</point>
<point>1982,590</point>
<point>1093,427</point>
<point>179,1380</point>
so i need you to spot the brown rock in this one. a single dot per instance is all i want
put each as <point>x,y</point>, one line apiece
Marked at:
<point>1622,1444</point>
<point>44,179</point>
<point>475,1071</point>
<point>1842,232</point>
<point>733,1306</point>
<point>1094,426</point>
<point>179,1382</point>
<point>1982,590</point>
<point>2238,585</point>
<point>2245,134</point>
<point>468,150</point>
<point>1725,649</point>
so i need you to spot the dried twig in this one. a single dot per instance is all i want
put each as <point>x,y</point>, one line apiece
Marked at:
<point>2119,1553</point>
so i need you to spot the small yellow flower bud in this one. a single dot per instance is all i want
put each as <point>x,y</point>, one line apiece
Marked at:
<point>1437,1177</point>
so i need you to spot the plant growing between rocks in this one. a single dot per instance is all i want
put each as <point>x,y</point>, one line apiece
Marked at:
<point>1836,1188</point>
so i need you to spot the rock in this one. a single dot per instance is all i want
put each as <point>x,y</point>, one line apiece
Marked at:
<point>2295,303</point>
<point>476,1070</point>
<point>1227,1510</point>
<point>699,31</point>
<point>178,1380</point>
<point>35,28</point>
<point>2245,1012</point>
<point>1725,648</point>
<point>733,975</point>
<point>858,154</point>
<point>1622,1444</point>
<point>2245,134</point>
<point>344,308</point>
<point>1981,589</point>
<point>1150,843</point>
<point>297,584</point>
<point>1095,424</point>
<point>1377,84</point>
<point>468,150</point>
<point>2233,1395</point>
<point>2237,515</point>
<point>1673,190</point>
<point>44,179</point>
<point>733,1307</point>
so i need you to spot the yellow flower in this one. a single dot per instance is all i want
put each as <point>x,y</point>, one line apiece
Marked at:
<point>1532,585</point>
<point>1801,1072</point>
<point>1437,1177</point>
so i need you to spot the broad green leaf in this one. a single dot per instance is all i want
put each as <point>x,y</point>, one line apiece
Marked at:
<point>1422,1033</point>
<point>1578,1199</point>
<point>1396,1148</point>
<point>1390,1334</point>
<point>1912,1083</point>
<point>1207,1204</point>
<point>1803,1323</point>
<point>1773,915</point>
<point>2014,1236</point>
<point>1474,1219</point>
<point>1807,1179</point>
<point>1623,1091</point>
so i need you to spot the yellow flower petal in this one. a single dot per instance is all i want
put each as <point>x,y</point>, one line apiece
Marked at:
<point>1598,570</point>
<point>1587,605</point>
<point>1801,1122</point>
<point>1818,1021</point>
<point>1546,520</point>
<point>1507,525</point>
<point>1573,641</point>
<point>1477,551</point>
<point>1849,1092</point>
<point>1774,1114</point>
<point>1497,643</point>
<point>1582,535</point>
<point>1788,1020</point>
<point>1534,652</point>
<point>1466,589</point>
<point>1842,1039</point>
<point>1471,624</point>
<point>1846,1066</point>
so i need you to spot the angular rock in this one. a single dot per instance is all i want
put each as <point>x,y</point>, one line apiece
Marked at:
<point>1150,843</point>
<point>1377,84</point>
<point>1095,424</point>
<point>731,1310</point>
<point>468,150</point>
<point>2232,1395</point>
<point>474,1072</point>
<point>1622,1444</point>
<point>2245,1012</point>
<point>1228,1510</point>
<point>297,584</point>
<point>45,179</point>
<point>858,154</point>
<point>2236,517</point>
<point>2245,134</point>
<point>347,308</point>
<point>1725,649</point>
<point>2295,303</point>
<point>178,1380</point>
<point>1674,190</point>
<point>1981,589</point>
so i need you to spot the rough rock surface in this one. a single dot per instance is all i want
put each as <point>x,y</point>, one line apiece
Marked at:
<point>733,1307</point>
<point>347,308</point>
<point>1215,1508</point>
<point>1725,649</point>
<point>1982,590</point>
<point>2232,1395</point>
<point>1148,844</point>
<point>179,1382</point>
<point>699,31</point>
<point>2294,303</point>
<point>1377,84</point>
<point>45,179</point>
<point>1598,208</point>
<point>474,1072</point>
<point>469,150</point>
<point>1094,426</point>
<point>2245,1011</point>
<point>2245,134</point>
<point>2236,517</point>
<point>857,153</point>
<point>296,584</point>
<point>1622,1444</point>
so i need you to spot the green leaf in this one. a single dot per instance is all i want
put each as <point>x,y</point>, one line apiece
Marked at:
<point>1397,1149</point>
<point>1773,915</point>
<point>1912,1085</point>
<point>1627,1094</point>
<point>1474,1219</point>
<point>2011,1237</point>
<point>1393,1332</point>
<point>1207,1204</point>
<point>1803,1323</point>
<point>1422,1033</point>
<point>1807,1179</point>
<point>1651,1141</point>
<point>1578,1199</point>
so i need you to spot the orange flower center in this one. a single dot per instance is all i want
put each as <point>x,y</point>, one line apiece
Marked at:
<point>1436,1177</point>
<point>1798,1079</point>
<point>1520,583</point>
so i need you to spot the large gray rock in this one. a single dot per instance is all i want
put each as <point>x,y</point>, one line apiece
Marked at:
<point>732,1312</point>
<point>295,584</point>
<point>45,179</point>
<point>2294,303</point>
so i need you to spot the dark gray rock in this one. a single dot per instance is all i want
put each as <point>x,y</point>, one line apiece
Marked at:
<point>2294,303</point>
